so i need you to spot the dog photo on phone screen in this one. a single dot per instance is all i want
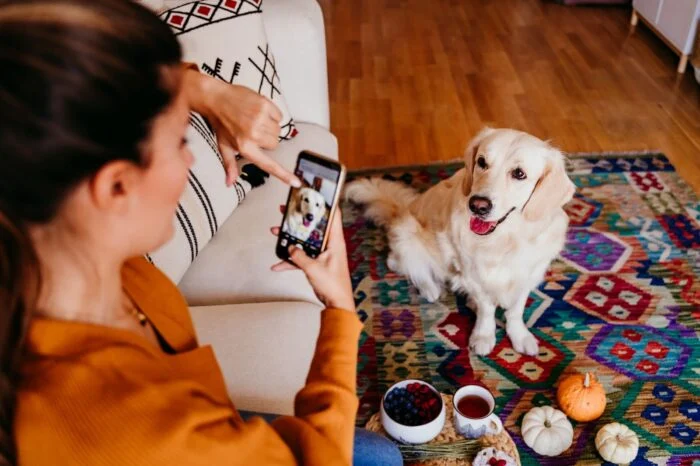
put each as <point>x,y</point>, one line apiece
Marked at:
<point>309,207</point>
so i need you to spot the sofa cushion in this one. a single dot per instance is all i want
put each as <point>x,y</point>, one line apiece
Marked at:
<point>264,350</point>
<point>235,267</point>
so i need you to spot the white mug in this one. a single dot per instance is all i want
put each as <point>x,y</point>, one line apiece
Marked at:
<point>475,428</point>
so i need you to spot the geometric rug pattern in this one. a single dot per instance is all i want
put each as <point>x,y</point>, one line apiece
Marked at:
<point>622,301</point>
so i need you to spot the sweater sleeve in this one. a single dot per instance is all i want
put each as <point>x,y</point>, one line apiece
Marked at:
<point>190,66</point>
<point>328,401</point>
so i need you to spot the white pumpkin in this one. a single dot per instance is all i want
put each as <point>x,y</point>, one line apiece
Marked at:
<point>617,443</point>
<point>547,431</point>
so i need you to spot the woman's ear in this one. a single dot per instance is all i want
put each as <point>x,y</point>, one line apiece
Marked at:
<point>552,191</point>
<point>111,187</point>
<point>470,156</point>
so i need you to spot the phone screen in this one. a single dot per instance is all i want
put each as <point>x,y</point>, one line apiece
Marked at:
<point>309,208</point>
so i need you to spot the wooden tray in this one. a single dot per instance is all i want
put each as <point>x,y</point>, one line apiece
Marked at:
<point>502,441</point>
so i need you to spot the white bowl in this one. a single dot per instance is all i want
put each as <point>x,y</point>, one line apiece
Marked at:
<point>413,434</point>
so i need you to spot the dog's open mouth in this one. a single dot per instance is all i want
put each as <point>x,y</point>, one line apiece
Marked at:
<point>306,222</point>
<point>483,228</point>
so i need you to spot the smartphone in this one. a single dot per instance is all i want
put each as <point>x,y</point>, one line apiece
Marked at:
<point>310,208</point>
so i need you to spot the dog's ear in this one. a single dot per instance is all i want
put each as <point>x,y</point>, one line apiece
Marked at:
<point>470,156</point>
<point>552,191</point>
<point>294,201</point>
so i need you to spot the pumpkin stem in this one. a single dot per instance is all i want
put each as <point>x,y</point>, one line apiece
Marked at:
<point>587,380</point>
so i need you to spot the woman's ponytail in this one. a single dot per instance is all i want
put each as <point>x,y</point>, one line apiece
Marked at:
<point>19,285</point>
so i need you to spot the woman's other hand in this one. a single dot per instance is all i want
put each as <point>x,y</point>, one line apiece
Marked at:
<point>328,273</point>
<point>244,121</point>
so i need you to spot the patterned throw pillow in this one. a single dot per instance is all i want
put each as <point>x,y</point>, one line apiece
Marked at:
<point>227,40</point>
<point>206,203</point>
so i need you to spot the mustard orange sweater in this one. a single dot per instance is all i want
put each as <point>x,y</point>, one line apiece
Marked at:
<point>93,395</point>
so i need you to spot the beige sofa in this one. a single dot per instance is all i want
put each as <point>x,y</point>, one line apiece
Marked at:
<point>263,325</point>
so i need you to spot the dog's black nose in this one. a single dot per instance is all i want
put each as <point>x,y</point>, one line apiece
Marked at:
<point>480,205</point>
<point>309,217</point>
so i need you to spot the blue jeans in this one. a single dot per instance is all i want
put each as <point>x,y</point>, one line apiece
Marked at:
<point>372,449</point>
<point>369,449</point>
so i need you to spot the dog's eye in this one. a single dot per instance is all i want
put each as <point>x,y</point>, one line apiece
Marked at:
<point>306,200</point>
<point>481,161</point>
<point>518,174</point>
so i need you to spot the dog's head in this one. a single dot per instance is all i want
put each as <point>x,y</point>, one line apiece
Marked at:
<point>509,171</point>
<point>311,205</point>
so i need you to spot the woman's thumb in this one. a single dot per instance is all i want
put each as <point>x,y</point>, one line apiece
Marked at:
<point>299,257</point>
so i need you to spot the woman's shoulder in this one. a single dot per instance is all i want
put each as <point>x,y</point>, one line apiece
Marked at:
<point>139,271</point>
<point>160,299</point>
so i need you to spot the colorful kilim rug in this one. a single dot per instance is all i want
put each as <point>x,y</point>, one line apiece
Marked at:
<point>622,300</point>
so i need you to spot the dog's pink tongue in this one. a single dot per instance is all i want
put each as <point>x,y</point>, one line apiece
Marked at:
<point>480,227</point>
<point>306,222</point>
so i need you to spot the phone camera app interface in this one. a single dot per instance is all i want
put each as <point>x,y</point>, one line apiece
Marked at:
<point>309,207</point>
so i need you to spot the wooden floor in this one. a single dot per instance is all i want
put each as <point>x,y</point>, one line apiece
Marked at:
<point>411,81</point>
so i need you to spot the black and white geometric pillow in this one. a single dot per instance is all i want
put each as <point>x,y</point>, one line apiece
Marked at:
<point>206,203</point>
<point>226,39</point>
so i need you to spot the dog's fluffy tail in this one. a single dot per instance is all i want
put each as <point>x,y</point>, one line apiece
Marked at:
<point>385,200</point>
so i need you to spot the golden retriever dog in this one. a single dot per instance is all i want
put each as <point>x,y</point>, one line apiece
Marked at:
<point>306,209</point>
<point>490,231</point>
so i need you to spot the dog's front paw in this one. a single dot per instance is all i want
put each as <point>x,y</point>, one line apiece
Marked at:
<point>430,294</point>
<point>524,342</point>
<point>482,344</point>
<point>429,291</point>
<point>393,263</point>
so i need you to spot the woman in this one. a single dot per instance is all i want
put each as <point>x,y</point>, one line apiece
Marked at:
<point>99,361</point>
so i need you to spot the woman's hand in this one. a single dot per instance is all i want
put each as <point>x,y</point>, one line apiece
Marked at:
<point>328,273</point>
<point>244,121</point>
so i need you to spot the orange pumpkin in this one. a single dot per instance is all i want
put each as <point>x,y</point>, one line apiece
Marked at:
<point>581,397</point>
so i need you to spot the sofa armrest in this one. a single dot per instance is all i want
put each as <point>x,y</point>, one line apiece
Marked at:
<point>296,33</point>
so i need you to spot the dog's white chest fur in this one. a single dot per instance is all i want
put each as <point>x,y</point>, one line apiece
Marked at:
<point>504,265</point>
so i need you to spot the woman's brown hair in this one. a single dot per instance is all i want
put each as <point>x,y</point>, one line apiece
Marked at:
<point>81,83</point>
